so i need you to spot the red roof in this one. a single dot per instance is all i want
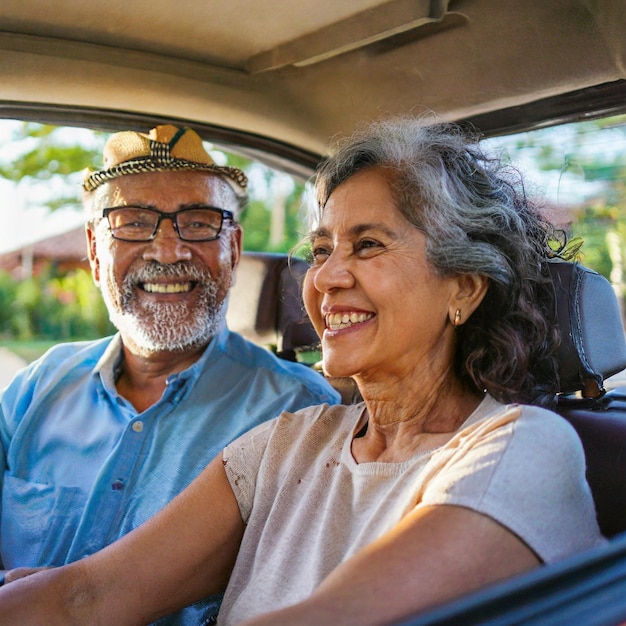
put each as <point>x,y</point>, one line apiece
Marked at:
<point>68,248</point>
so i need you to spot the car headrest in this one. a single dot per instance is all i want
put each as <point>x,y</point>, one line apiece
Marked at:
<point>593,345</point>
<point>265,303</point>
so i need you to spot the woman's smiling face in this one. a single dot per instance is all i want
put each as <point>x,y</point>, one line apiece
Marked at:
<point>379,307</point>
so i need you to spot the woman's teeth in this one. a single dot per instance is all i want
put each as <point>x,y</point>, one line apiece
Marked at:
<point>337,321</point>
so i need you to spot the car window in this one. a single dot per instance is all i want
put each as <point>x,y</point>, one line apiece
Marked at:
<point>41,169</point>
<point>46,291</point>
<point>580,169</point>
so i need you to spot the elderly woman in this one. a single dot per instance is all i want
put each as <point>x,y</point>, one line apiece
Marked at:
<point>427,274</point>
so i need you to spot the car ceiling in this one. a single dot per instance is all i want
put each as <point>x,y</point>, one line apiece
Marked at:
<point>295,73</point>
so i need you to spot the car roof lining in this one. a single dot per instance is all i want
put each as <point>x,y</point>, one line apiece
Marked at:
<point>303,72</point>
<point>582,104</point>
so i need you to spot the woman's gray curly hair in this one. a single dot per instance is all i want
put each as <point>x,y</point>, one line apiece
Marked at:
<point>477,219</point>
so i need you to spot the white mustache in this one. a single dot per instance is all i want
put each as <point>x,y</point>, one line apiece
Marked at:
<point>181,270</point>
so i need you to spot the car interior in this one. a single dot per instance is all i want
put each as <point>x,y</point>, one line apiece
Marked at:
<point>277,81</point>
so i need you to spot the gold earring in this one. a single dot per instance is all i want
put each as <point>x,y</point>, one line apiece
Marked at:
<point>457,317</point>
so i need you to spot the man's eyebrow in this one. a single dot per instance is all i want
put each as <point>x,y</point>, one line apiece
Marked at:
<point>199,205</point>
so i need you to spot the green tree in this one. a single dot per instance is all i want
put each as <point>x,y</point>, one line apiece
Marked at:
<point>53,307</point>
<point>588,161</point>
<point>8,290</point>
<point>272,195</point>
<point>54,156</point>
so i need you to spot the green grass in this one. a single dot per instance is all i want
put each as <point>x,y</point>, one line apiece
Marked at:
<point>28,350</point>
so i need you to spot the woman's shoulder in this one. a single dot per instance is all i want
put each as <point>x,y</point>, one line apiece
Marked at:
<point>319,421</point>
<point>528,415</point>
<point>320,417</point>
<point>527,425</point>
<point>541,420</point>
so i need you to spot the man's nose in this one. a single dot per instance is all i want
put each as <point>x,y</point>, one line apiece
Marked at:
<point>167,246</point>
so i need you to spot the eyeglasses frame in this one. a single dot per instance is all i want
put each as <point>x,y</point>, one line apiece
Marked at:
<point>173,216</point>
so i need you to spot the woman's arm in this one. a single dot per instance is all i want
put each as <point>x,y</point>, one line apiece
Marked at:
<point>182,554</point>
<point>434,554</point>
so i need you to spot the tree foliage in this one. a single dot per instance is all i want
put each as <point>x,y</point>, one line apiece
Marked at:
<point>54,156</point>
<point>52,307</point>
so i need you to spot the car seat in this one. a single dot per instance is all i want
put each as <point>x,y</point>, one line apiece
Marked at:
<point>265,303</point>
<point>593,348</point>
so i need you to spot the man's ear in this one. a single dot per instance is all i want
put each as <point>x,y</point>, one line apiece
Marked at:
<point>236,245</point>
<point>93,254</point>
<point>469,291</point>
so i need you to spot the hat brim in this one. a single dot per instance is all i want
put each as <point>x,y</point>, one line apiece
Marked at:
<point>233,175</point>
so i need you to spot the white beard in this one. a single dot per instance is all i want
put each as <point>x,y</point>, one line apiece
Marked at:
<point>150,327</point>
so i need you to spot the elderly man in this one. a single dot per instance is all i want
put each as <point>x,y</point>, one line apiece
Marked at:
<point>96,437</point>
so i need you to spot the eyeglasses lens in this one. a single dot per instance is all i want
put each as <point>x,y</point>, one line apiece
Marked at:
<point>138,224</point>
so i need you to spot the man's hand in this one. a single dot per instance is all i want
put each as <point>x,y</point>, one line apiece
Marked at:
<point>12,575</point>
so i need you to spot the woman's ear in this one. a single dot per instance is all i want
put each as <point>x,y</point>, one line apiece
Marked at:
<point>469,291</point>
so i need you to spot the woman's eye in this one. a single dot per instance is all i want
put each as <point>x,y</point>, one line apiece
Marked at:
<point>319,254</point>
<point>365,245</point>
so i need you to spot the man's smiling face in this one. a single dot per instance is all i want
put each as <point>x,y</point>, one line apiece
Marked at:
<point>166,294</point>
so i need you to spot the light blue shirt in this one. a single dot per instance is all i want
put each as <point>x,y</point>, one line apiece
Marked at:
<point>80,467</point>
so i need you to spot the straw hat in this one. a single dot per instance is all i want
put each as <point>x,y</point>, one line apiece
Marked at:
<point>165,148</point>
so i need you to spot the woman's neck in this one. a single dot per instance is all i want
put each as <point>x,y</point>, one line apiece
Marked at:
<point>402,423</point>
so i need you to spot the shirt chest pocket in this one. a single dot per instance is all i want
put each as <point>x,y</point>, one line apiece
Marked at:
<point>38,522</point>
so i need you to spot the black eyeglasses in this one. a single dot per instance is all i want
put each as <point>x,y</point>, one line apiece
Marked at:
<point>194,223</point>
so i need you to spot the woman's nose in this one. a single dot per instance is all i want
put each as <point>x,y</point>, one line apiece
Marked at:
<point>335,273</point>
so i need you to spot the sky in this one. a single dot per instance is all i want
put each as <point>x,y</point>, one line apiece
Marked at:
<point>24,223</point>
<point>26,219</point>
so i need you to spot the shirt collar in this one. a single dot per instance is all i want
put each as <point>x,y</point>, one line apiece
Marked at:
<point>109,363</point>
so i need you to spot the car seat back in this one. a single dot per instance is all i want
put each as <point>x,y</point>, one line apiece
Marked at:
<point>265,303</point>
<point>593,348</point>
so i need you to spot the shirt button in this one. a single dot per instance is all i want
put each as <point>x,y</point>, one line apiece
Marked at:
<point>117,485</point>
<point>138,426</point>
